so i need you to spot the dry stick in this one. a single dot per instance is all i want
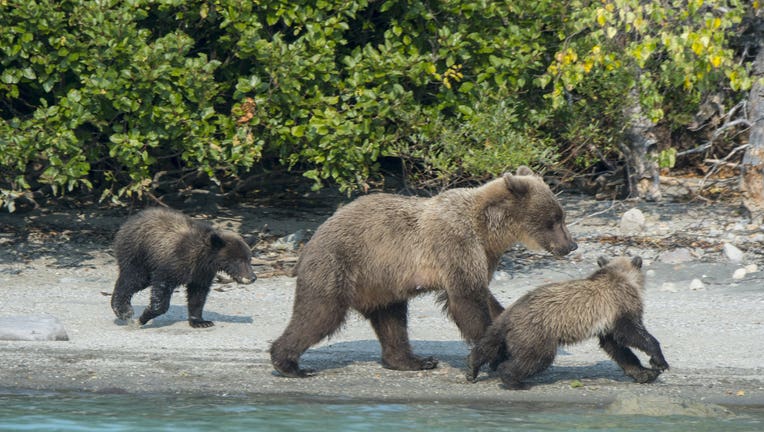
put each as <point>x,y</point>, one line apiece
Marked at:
<point>727,124</point>
<point>716,165</point>
<point>612,205</point>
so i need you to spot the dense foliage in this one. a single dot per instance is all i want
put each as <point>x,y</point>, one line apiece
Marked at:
<point>106,94</point>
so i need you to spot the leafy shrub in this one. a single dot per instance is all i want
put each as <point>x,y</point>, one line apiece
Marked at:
<point>107,95</point>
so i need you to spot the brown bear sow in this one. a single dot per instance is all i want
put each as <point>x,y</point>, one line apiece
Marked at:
<point>164,248</point>
<point>607,305</point>
<point>380,250</point>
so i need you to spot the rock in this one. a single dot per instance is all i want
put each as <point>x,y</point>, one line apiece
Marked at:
<point>293,241</point>
<point>697,285</point>
<point>501,275</point>
<point>650,273</point>
<point>733,253</point>
<point>669,286</point>
<point>739,274</point>
<point>676,256</point>
<point>751,268</point>
<point>632,222</point>
<point>659,406</point>
<point>32,328</point>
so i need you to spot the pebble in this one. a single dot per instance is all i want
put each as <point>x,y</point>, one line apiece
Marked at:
<point>632,222</point>
<point>676,256</point>
<point>697,285</point>
<point>733,253</point>
<point>751,268</point>
<point>501,276</point>
<point>293,241</point>
<point>739,274</point>
<point>669,286</point>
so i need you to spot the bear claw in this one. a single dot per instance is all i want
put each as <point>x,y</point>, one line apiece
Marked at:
<point>197,323</point>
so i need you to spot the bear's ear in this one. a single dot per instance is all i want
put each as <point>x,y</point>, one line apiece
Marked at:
<point>523,170</point>
<point>517,187</point>
<point>602,261</point>
<point>216,241</point>
<point>636,262</point>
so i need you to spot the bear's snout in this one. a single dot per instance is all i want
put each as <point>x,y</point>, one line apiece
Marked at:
<point>564,249</point>
<point>246,280</point>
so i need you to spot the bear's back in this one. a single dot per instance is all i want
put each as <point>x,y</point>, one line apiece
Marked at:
<point>572,311</point>
<point>157,235</point>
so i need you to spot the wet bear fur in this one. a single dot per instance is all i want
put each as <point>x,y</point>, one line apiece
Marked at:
<point>380,250</point>
<point>165,249</point>
<point>607,305</point>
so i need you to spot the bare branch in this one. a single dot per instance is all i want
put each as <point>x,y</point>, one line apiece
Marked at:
<point>722,161</point>
<point>727,125</point>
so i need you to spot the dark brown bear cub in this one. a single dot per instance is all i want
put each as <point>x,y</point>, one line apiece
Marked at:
<point>164,248</point>
<point>380,250</point>
<point>608,305</point>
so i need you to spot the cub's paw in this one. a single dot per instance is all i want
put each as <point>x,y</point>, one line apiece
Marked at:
<point>645,376</point>
<point>198,323</point>
<point>659,364</point>
<point>472,374</point>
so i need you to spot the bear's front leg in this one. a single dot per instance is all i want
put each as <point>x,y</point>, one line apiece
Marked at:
<point>197,297</point>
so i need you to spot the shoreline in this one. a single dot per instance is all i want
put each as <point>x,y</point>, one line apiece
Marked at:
<point>711,336</point>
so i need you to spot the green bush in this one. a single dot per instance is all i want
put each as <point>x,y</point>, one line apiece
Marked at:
<point>105,95</point>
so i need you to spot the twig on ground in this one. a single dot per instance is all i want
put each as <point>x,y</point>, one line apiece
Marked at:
<point>612,205</point>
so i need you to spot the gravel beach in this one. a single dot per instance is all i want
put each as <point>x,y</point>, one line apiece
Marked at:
<point>711,326</point>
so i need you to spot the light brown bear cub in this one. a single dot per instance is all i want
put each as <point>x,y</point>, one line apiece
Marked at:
<point>380,250</point>
<point>608,305</point>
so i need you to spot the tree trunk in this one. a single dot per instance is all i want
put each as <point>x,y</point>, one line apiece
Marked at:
<point>752,169</point>
<point>639,149</point>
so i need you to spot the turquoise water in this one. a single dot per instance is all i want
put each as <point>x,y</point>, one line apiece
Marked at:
<point>96,412</point>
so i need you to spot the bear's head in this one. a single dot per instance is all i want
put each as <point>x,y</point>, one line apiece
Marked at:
<point>628,268</point>
<point>232,256</point>
<point>537,219</point>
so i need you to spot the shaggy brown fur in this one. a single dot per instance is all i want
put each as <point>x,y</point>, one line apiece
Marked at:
<point>380,250</point>
<point>607,305</point>
<point>164,248</point>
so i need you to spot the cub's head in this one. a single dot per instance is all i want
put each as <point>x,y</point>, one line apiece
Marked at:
<point>538,219</point>
<point>232,256</point>
<point>629,268</point>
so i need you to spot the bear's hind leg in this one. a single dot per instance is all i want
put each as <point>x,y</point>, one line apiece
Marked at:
<point>159,302</point>
<point>197,297</point>
<point>491,348</point>
<point>525,362</point>
<point>390,324</point>
<point>312,320</point>
<point>470,313</point>
<point>130,281</point>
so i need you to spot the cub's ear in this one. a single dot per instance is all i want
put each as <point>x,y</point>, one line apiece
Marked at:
<point>216,241</point>
<point>523,170</point>
<point>602,261</point>
<point>517,186</point>
<point>636,262</point>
